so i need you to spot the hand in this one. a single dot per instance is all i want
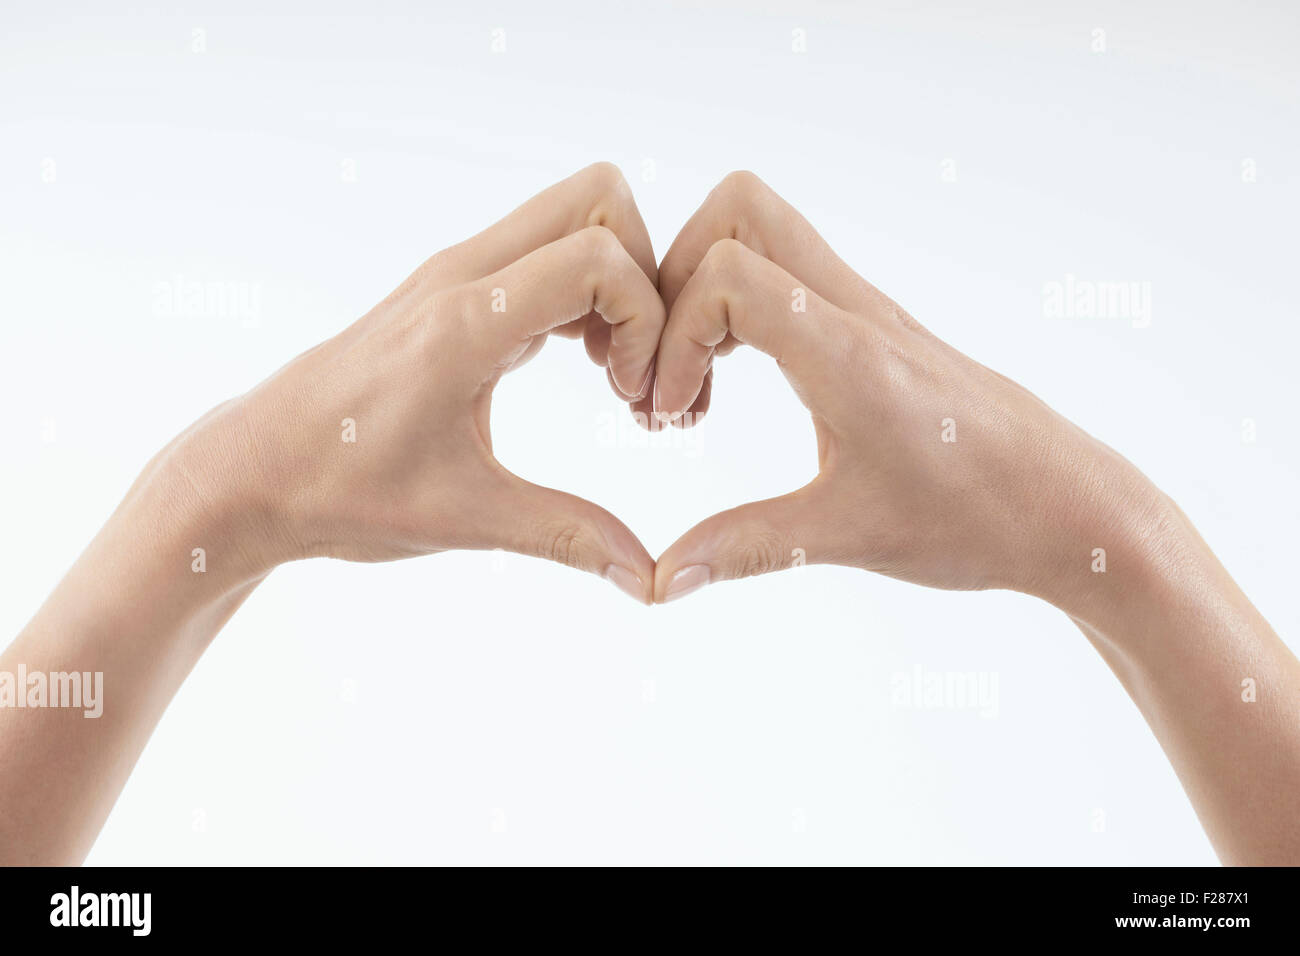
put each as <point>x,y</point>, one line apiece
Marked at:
<point>376,444</point>
<point>371,446</point>
<point>933,468</point>
<point>938,470</point>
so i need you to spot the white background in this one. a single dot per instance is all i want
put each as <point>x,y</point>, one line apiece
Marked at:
<point>468,709</point>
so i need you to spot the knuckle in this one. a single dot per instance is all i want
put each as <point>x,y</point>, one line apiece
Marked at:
<point>449,302</point>
<point>742,188</point>
<point>605,177</point>
<point>729,254</point>
<point>760,554</point>
<point>746,207</point>
<point>457,306</point>
<point>564,545</point>
<point>598,242</point>
<point>725,259</point>
<point>447,316</point>
<point>610,194</point>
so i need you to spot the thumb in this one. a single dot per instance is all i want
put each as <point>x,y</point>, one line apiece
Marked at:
<point>755,538</point>
<point>736,292</point>
<point>545,523</point>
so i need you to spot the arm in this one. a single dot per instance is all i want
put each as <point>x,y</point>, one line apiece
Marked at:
<point>937,470</point>
<point>1218,687</point>
<point>372,446</point>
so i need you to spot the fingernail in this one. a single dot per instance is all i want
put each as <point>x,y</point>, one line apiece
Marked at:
<point>625,581</point>
<point>640,392</point>
<point>659,412</point>
<point>686,580</point>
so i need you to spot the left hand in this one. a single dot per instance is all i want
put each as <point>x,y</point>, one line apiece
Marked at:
<point>376,444</point>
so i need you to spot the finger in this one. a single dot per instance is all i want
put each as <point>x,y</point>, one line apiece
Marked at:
<point>586,271</point>
<point>631,399</point>
<point>744,208</point>
<point>558,526</point>
<point>574,329</point>
<point>529,353</point>
<point>595,339</point>
<point>595,196</point>
<point>700,406</point>
<point>736,291</point>
<point>643,409</point>
<point>755,538</point>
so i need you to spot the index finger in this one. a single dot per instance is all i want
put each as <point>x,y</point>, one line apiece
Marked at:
<point>584,272</point>
<point>744,208</point>
<point>736,292</point>
<point>595,196</point>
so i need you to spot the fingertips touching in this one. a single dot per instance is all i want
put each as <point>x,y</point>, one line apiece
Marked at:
<point>756,538</point>
<point>557,526</point>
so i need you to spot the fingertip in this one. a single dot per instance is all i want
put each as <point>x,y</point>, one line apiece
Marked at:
<point>663,414</point>
<point>684,581</point>
<point>643,413</point>
<point>631,583</point>
<point>595,338</point>
<point>631,377</point>
<point>628,565</point>
<point>613,384</point>
<point>633,398</point>
<point>646,379</point>
<point>686,566</point>
<point>700,407</point>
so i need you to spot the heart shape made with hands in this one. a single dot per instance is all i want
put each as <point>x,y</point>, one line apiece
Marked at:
<point>891,493</point>
<point>662,365</point>
<point>423,477</point>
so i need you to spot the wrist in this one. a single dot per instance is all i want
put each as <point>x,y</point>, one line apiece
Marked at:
<point>204,510</point>
<point>159,579</point>
<point>1126,565</point>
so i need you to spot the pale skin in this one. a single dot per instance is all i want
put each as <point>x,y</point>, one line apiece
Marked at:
<point>933,469</point>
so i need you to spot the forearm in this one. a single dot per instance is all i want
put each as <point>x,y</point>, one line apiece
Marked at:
<point>136,609</point>
<point>1217,686</point>
<point>371,446</point>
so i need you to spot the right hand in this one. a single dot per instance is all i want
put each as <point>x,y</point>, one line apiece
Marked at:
<point>933,468</point>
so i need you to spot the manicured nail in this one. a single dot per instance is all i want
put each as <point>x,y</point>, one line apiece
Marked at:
<point>658,410</point>
<point>686,580</point>
<point>640,392</point>
<point>625,581</point>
